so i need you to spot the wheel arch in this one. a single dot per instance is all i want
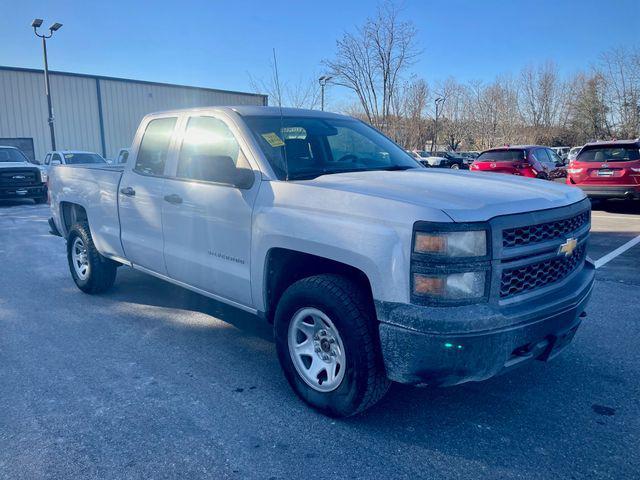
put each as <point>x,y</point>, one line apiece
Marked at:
<point>283,267</point>
<point>70,214</point>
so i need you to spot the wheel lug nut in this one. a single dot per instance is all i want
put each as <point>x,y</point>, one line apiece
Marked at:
<point>318,349</point>
<point>323,332</point>
<point>332,340</point>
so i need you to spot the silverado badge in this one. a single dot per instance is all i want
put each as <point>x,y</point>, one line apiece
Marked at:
<point>568,247</point>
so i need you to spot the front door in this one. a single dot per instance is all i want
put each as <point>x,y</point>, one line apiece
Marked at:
<point>141,197</point>
<point>206,219</point>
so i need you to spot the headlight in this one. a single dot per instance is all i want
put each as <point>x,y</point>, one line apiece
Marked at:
<point>452,244</point>
<point>455,286</point>
<point>43,176</point>
<point>574,170</point>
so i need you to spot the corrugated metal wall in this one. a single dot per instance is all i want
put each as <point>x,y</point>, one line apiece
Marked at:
<point>23,108</point>
<point>125,103</point>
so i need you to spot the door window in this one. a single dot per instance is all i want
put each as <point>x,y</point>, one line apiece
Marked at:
<point>57,158</point>
<point>541,155</point>
<point>47,159</point>
<point>154,147</point>
<point>554,157</point>
<point>209,152</point>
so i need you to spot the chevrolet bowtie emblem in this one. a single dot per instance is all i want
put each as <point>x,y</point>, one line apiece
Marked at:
<point>568,247</point>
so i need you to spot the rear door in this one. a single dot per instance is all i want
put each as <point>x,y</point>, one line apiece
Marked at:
<point>207,220</point>
<point>141,194</point>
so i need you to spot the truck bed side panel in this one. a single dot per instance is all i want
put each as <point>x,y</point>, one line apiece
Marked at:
<point>96,190</point>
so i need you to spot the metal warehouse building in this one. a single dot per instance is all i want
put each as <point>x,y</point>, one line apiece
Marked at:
<point>94,113</point>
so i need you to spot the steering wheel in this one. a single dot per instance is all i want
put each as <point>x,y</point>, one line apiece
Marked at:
<point>348,157</point>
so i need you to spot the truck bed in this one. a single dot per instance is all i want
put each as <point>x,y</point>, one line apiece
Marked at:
<point>95,187</point>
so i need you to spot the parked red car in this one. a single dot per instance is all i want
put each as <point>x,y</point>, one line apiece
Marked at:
<point>525,160</point>
<point>607,169</point>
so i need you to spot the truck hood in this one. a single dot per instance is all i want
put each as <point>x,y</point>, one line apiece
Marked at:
<point>463,196</point>
<point>15,164</point>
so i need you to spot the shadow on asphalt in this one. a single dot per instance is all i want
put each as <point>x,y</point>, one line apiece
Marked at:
<point>139,288</point>
<point>631,207</point>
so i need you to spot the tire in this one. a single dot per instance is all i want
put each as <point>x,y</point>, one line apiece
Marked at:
<point>363,381</point>
<point>542,176</point>
<point>40,200</point>
<point>100,272</point>
<point>455,166</point>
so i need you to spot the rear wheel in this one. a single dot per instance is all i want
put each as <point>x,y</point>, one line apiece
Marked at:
<point>40,200</point>
<point>92,272</point>
<point>328,346</point>
<point>542,176</point>
<point>455,166</point>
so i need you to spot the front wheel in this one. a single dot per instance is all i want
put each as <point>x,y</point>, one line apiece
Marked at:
<point>328,346</point>
<point>455,166</point>
<point>92,272</point>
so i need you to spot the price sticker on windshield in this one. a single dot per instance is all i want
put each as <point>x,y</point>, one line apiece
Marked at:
<point>273,139</point>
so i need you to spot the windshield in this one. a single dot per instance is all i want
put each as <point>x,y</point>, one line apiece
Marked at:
<point>77,158</point>
<point>307,147</point>
<point>609,154</point>
<point>501,156</point>
<point>12,155</point>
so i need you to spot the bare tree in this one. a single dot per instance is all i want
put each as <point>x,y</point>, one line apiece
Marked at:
<point>456,112</point>
<point>372,60</point>
<point>587,108</point>
<point>620,69</point>
<point>541,95</point>
<point>409,110</point>
<point>300,93</point>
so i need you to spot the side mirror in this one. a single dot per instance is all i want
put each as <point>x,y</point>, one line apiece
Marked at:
<point>55,162</point>
<point>244,178</point>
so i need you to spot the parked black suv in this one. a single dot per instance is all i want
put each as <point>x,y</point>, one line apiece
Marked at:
<point>19,178</point>
<point>451,159</point>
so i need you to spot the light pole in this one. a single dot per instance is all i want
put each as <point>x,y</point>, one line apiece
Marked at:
<point>434,141</point>
<point>37,23</point>
<point>323,80</point>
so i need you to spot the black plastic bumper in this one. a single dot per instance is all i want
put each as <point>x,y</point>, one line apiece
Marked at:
<point>463,349</point>
<point>23,192</point>
<point>611,192</point>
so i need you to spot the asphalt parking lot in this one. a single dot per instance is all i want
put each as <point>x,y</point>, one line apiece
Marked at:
<point>153,381</point>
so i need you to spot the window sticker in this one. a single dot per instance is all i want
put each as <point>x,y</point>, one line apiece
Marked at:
<point>273,139</point>
<point>68,155</point>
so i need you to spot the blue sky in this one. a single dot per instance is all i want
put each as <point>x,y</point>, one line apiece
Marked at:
<point>218,43</point>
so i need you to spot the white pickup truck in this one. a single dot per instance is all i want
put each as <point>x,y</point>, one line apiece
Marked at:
<point>371,268</point>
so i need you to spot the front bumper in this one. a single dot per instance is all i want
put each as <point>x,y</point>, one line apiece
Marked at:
<point>452,345</point>
<point>10,193</point>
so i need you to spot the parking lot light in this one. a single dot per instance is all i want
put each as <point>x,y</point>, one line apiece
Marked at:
<point>323,80</point>
<point>37,23</point>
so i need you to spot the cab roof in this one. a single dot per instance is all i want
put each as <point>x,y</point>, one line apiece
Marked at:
<point>259,111</point>
<point>629,143</point>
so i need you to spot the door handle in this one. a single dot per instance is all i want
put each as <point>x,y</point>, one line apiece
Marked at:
<point>128,191</point>
<point>173,198</point>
